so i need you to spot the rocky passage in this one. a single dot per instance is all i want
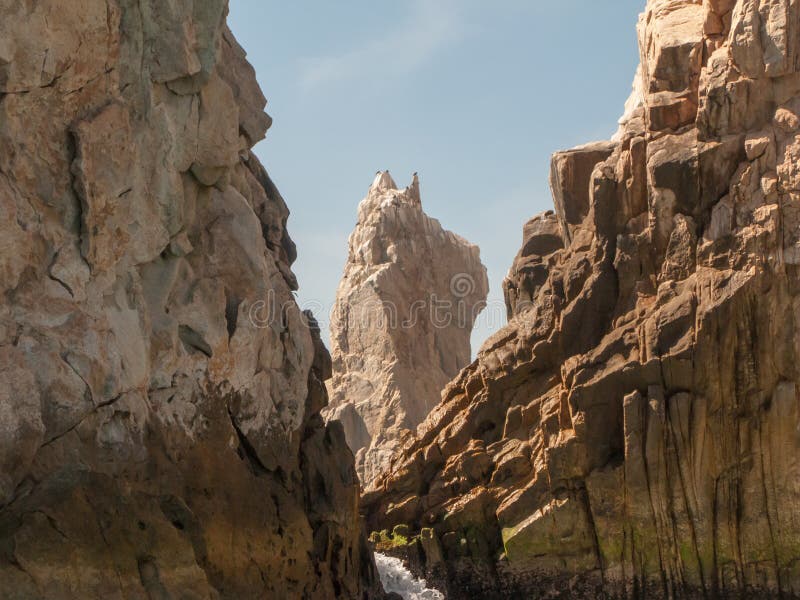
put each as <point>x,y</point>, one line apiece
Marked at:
<point>401,326</point>
<point>160,390</point>
<point>633,431</point>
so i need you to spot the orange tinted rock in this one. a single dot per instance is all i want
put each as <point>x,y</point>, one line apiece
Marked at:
<point>655,353</point>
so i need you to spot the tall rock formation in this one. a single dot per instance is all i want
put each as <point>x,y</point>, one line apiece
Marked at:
<point>401,326</point>
<point>634,429</point>
<point>160,390</point>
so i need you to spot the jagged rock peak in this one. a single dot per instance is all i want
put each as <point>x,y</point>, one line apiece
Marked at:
<point>384,192</point>
<point>392,351</point>
<point>383,181</point>
<point>160,389</point>
<point>632,432</point>
<point>413,189</point>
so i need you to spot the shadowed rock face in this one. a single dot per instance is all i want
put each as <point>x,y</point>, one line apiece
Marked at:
<point>160,390</point>
<point>634,428</point>
<point>401,328</point>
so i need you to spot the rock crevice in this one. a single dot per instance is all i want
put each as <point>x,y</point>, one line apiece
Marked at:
<point>160,389</point>
<point>631,431</point>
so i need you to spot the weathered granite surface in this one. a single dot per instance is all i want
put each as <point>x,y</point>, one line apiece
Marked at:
<point>633,431</point>
<point>160,390</point>
<point>400,331</point>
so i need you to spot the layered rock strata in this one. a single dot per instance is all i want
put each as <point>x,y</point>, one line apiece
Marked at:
<point>160,390</point>
<point>401,326</point>
<point>633,431</point>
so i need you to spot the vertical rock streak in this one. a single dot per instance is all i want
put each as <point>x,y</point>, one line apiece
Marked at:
<point>160,390</point>
<point>633,430</point>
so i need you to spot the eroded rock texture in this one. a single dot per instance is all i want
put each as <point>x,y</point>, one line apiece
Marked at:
<point>401,327</point>
<point>160,390</point>
<point>634,429</point>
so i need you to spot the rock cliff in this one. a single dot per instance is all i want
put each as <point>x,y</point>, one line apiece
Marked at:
<point>634,429</point>
<point>160,390</point>
<point>401,326</point>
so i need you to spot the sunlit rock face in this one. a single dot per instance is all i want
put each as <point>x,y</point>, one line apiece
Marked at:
<point>634,428</point>
<point>160,390</point>
<point>405,308</point>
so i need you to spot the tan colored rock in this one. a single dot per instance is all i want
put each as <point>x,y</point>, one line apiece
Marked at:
<point>632,431</point>
<point>405,308</point>
<point>764,39</point>
<point>757,143</point>
<point>160,389</point>
<point>671,43</point>
<point>541,241</point>
<point>570,173</point>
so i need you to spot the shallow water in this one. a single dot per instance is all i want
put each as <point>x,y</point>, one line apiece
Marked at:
<point>396,578</point>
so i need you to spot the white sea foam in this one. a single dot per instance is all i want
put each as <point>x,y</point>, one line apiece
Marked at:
<point>396,578</point>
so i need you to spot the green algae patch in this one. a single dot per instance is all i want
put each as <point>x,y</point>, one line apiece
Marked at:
<point>399,537</point>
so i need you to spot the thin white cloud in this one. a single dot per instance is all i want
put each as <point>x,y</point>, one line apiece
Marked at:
<point>431,26</point>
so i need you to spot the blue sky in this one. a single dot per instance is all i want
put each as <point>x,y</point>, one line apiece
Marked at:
<point>474,95</point>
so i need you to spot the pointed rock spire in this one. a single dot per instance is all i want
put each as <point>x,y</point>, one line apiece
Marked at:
<point>413,189</point>
<point>392,351</point>
<point>382,182</point>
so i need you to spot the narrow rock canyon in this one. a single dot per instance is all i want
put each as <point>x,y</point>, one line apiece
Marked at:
<point>160,389</point>
<point>165,433</point>
<point>401,326</point>
<point>633,431</point>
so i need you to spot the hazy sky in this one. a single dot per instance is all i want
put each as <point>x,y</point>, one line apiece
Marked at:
<point>475,95</point>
